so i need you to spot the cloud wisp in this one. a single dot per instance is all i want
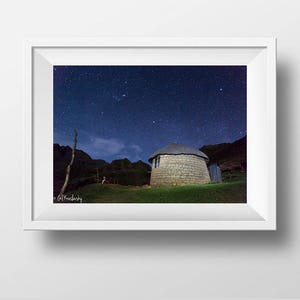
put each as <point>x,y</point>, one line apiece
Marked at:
<point>108,146</point>
<point>100,147</point>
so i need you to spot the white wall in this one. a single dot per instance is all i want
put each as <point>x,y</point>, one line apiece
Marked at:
<point>150,265</point>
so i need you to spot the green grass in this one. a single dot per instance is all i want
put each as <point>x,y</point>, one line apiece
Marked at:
<point>233,191</point>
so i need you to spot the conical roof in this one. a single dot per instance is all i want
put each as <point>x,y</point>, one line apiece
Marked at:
<point>177,149</point>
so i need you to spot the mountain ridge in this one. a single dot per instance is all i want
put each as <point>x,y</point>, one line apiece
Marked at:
<point>229,156</point>
<point>86,170</point>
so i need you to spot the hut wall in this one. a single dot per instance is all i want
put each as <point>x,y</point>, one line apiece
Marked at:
<point>180,169</point>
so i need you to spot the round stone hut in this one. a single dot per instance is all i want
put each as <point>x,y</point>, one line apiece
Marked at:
<point>178,164</point>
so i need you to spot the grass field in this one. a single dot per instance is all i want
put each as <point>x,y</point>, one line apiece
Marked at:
<point>231,191</point>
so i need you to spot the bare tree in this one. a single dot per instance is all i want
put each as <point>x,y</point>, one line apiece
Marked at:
<point>68,170</point>
<point>97,176</point>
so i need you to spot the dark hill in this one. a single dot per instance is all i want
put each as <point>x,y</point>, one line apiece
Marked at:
<point>61,153</point>
<point>86,170</point>
<point>229,156</point>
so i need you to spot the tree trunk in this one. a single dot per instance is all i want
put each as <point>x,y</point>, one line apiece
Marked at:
<point>68,170</point>
<point>97,178</point>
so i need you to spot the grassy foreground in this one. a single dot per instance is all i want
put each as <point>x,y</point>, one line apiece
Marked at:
<point>227,192</point>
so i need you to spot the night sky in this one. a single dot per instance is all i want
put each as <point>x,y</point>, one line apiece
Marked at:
<point>132,111</point>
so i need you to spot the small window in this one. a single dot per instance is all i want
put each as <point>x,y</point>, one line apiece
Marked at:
<point>156,162</point>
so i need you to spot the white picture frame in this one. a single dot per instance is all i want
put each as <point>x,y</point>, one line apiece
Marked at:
<point>258,54</point>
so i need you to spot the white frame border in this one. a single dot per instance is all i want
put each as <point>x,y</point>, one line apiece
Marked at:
<point>260,214</point>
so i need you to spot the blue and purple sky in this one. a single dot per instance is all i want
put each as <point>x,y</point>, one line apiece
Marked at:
<point>131,111</point>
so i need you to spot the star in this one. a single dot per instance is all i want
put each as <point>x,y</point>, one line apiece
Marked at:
<point>117,98</point>
<point>149,105</point>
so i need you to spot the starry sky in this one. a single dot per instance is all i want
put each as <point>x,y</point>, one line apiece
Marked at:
<point>132,111</point>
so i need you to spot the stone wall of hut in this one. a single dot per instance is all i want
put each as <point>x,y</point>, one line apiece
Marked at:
<point>179,170</point>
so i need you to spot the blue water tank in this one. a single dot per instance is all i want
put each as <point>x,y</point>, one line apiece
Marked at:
<point>215,173</point>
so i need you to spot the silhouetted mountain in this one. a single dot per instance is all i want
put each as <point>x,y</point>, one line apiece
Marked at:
<point>86,170</point>
<point>229,156</point>
<point>61,153</point>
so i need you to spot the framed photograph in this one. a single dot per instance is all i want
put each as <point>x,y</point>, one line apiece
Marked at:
<point>150,134</point>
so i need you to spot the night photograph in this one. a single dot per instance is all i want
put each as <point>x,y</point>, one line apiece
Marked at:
<point>149,134</point>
